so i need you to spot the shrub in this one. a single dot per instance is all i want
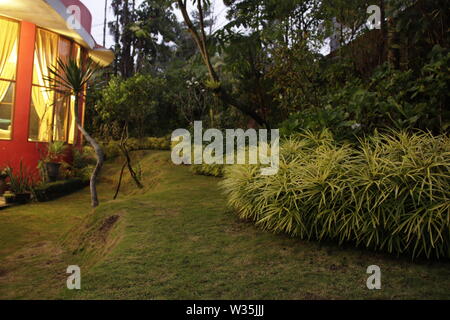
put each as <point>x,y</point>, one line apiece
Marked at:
<point>214,170</point>
<point>20,182</point>
<point>112,148</point>
<point>52,190</point>
<point>391,192</point>
<point>400,99</point>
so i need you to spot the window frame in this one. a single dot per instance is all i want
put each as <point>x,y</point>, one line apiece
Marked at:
<point>73,44</point>
<point>14,96</point>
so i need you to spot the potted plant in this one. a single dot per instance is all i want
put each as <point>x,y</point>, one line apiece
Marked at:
<point>55,152</point>
<point>20,185</point>
<point>9,197</point>
<point>3,176</point>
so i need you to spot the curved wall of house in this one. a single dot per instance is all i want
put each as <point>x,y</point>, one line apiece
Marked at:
<point>19,148</point>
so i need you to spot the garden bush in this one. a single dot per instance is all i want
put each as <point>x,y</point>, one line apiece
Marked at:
<point>214,170</point>
<point>53,190</point>
<point>389,192</point>
<point>112,148</point>
<point>400,99</point>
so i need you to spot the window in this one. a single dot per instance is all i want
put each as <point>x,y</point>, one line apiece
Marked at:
<point>9,39</point>
<point>42,97</point>
<point>61,114</point>
<point>51,116</point>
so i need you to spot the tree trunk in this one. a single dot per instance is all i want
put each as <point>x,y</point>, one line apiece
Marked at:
<point>98,154</point>
<point>123,146</point>
<point>384,37</point>
<point>200,40</point>
<point>393,40</point>
<point>120,181</point>
<point>104,23</point>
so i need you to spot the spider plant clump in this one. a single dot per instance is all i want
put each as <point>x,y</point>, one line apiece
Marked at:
<point>214,170</point>
<point>390,192</point>
<point>403,191</point>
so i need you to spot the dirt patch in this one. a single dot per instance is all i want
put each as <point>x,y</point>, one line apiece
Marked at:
<point>109,223</point>
<point>94,240</point>
<point>3,272</point>
<point>104,230</point>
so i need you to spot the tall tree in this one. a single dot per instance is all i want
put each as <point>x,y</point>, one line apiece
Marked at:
<point>393,40</point>
<point>199,35</point>
<point>121,28</point>
<point>104,23</point>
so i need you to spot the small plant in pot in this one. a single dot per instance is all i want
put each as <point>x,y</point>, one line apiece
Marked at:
<point>9,197</point>
<point>55,152</point>
<point>3,176</point>
<point>20,185</point>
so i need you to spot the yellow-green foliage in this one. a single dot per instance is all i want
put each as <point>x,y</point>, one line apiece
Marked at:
<point>112,148</point>
<point>392,192</point>
<point>215,170</point>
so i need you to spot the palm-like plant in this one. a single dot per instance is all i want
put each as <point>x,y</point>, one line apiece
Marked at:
<point>69,79</point>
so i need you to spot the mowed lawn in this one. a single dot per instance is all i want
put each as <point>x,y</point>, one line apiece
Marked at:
<point>176,239</point>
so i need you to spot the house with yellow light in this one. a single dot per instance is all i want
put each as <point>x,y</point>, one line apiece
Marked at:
<point>33,35</point>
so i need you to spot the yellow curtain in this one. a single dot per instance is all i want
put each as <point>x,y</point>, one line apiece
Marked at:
<point>8,53</point>
<point>43,105</point>
<point>45,56</point>
<point>76,54</point>
<point>72,125</point>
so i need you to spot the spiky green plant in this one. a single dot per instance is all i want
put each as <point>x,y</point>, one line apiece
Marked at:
<point>214,170</point>
<point>70,79</point>
<point>391,193</point>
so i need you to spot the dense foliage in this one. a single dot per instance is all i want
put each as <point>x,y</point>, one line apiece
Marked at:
<point>390,192</point>
<point>299,65</point>
<point>52,190</point>
<point>214,170</point>
<point>140,101</point>
<point>389,99</point>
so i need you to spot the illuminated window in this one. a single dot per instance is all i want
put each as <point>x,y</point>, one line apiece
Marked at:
<point>72,125</point>
<point>62,103</point>
<point>51,116</point>
<point>42,97</point>
<point>9,39</point>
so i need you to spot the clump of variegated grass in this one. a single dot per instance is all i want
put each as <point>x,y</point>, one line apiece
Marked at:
<point>214,170</point>
<point>392,192</point>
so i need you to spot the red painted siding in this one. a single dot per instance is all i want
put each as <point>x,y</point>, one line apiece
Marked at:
<point>19,149</point>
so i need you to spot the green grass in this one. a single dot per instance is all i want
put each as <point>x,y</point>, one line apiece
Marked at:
<point>177,240</point>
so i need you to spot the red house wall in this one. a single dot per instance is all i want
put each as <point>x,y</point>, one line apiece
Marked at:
<point>19,149</point>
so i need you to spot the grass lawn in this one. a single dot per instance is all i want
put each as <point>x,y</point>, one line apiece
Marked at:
<point>177,240</point>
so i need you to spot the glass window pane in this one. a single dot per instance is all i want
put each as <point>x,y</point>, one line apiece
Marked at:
<point>45,56</point>
<point>9,39</point>
<point>76,53</point>
<point>65,49</point>
<point>41,114</point>
<point>6,108</point>
<point>72,125</point>
<point>61,118</point>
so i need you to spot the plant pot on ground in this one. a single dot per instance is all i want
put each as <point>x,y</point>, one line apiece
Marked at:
<point>3,177</point>
<point>52,169</point>
<point>20,184</point>
<point>55,153</point>
<point>22,198</point>
<point>9,197</point>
